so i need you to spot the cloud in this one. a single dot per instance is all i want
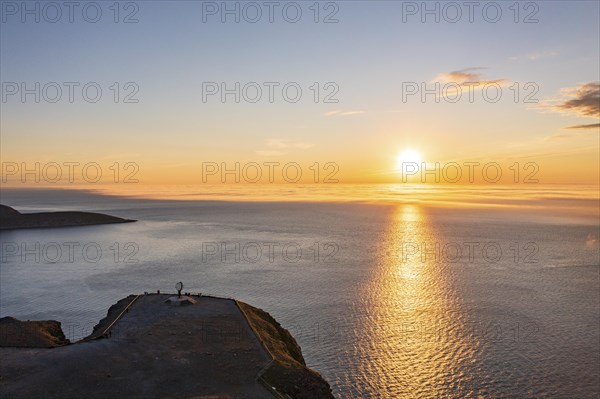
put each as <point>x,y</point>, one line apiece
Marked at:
<point>277,143</point>
<point>461,76</point>
<point>469,78</point>
<point>581,127</point>
<point>270,153</point>
<point>565,136</point>
<point>283,143</point>
<point>343,113</point>
<point>536,55</point>
<point>541,55</point>
<point>122,155</point>
<point>278,147</point>
<point>560,137</point>
<point>303,146</point>
<point>467,75</point>
<point>583,100</point>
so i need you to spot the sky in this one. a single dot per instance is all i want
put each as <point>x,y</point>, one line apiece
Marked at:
<point>353,101</point>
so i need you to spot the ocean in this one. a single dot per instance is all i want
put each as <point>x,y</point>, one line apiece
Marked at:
<point>388,299</point>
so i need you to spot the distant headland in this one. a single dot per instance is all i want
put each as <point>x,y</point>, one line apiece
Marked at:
<point>159,346</point>
<point>10,219</point>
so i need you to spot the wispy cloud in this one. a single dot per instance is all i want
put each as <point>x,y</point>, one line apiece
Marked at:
<point>578,127</point>
<point>270,153</point>
<point>303,146</point>
<point>277,143</point>
<point>278,147</point>
<point>565,136</point>
<point>284,143</point>
<point>536,55</point>
<point>467,75</point>
<point>342,113</point>
<point>123,155</point>
<point>468,78</point>
<point>583,100</point>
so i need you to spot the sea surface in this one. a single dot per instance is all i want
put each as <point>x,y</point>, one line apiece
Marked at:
<point>389,299</point>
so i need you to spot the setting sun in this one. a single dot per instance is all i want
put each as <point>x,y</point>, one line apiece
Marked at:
<point>406,156</point>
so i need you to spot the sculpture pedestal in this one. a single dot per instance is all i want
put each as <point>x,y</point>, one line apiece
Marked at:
<point>182,300</point>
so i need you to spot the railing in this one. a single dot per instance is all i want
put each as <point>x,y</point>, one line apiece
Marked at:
<point>119,316</point>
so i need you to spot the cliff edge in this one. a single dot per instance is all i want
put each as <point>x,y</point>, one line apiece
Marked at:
<point>152,346</point>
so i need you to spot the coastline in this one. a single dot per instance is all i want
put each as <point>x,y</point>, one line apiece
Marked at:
<point>13,219</point>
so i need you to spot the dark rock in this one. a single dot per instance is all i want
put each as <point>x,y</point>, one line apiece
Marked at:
<point>8,212</point>
<point>31,334</point>
<point>12,219</point>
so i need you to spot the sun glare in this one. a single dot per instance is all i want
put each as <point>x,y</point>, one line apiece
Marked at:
<point>408,155</point>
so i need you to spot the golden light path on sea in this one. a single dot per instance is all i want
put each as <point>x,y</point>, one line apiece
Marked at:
<point>416,337</point>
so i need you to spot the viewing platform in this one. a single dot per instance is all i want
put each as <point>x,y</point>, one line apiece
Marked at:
<point>149,347</point>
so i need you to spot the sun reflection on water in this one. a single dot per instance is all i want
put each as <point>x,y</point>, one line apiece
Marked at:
<point>416,335</point>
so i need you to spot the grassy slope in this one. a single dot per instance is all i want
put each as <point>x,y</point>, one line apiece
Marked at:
<point>289,373</point>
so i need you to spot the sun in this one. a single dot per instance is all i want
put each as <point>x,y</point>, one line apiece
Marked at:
<point>408,156</point>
